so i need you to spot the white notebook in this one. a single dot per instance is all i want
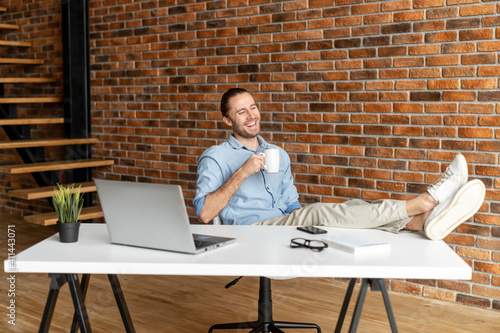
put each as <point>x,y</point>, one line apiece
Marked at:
<point>354,244</point>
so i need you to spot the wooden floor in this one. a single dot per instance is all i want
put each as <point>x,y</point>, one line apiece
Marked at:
<point>193,304</point>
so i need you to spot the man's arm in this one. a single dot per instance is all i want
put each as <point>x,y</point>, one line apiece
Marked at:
<point>288,189</point>
<point>217,200</point>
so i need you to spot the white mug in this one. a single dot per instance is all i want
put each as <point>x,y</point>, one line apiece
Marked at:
<point>271,160</point>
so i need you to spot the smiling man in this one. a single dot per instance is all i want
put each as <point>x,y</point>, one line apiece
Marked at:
<point>233,184</point>
<point>229,177</point>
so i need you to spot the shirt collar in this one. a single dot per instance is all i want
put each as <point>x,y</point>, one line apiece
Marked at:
<point>238,145</point>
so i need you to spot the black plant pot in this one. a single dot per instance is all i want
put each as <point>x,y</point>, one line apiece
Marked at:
<point>68,232</point>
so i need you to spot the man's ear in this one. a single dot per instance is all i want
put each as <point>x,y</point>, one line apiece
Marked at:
<point>227,121</point>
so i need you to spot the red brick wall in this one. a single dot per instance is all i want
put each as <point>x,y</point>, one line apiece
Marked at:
<point>371,99</point>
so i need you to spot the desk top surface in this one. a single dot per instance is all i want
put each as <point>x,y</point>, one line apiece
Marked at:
<point>258,251</point>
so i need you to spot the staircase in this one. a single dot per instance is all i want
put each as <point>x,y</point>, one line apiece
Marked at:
<point>47,174</point>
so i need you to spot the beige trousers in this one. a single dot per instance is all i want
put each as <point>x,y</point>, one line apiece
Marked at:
<point>388,215</point>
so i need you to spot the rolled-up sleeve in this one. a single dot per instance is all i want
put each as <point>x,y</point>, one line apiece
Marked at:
<point>289,191</point>
<point>293,206</point>
<point>209,180</point>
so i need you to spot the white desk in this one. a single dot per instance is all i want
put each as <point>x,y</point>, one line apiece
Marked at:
<point>258,251</point>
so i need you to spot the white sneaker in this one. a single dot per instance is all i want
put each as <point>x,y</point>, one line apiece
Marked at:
<point>453,178</point>
<point>460,208</point>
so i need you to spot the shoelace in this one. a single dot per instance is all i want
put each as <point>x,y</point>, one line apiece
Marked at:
<point>441,180</point>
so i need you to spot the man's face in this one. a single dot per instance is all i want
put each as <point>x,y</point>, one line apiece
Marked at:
<point>243,116</point>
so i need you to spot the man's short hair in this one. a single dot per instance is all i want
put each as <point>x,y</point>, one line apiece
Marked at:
<point>224,102</point>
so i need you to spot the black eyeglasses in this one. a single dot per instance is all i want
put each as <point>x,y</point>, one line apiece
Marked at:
<point>313,244</point>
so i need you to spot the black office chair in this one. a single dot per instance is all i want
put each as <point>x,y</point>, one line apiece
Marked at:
<point>265,322</point>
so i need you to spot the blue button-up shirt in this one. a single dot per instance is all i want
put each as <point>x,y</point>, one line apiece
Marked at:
<point>260,197</point>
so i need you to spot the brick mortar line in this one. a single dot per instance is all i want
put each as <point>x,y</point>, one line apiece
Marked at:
<point>282,23</point>
<point>322,16</point>
<point>306,132</point>
<point>333,165</point>
<point>289,42</point>
<point>285,72</point>
<point>282,11</point>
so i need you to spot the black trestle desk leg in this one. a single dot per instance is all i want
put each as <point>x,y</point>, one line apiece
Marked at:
<point>84,286</point>
<point>49,310</point>
<point>385,295</point>
<point>375,285</point>
<point>78,303</point>
<point>345,305</point>
<point>120,301</point>
<point>56,282</point>
<point>359,306</point>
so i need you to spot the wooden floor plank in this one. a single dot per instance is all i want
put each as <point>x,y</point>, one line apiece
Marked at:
<point>188,304</point>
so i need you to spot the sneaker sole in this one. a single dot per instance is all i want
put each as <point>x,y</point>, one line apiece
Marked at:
<point>464,205</point>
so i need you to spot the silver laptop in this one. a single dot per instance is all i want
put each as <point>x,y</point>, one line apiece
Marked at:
<point>152,216</point>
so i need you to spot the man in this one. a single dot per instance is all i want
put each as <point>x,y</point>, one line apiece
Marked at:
<point>232,184</point>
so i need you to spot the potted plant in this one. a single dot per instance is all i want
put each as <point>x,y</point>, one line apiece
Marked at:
<point>68,203</point>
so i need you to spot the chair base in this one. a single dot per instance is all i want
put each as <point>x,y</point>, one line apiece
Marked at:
<point>272,327</point>
<point>265,323</point>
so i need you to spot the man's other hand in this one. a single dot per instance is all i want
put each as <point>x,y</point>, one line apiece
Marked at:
<point>252,165</point>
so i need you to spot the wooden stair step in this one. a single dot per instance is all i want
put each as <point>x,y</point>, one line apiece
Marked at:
<point>48,191</point>
<point>27,79</point>
<point>19,61</point>
<point>53,166</point>
<point>24,100</point>
<point>9,26</point>
<point>30,121</point>
<point>45,142</point>
<point>87,213</point>
<point>14,43</point>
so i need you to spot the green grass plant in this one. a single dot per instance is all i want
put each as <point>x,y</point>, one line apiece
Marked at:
<point>68,203</point>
